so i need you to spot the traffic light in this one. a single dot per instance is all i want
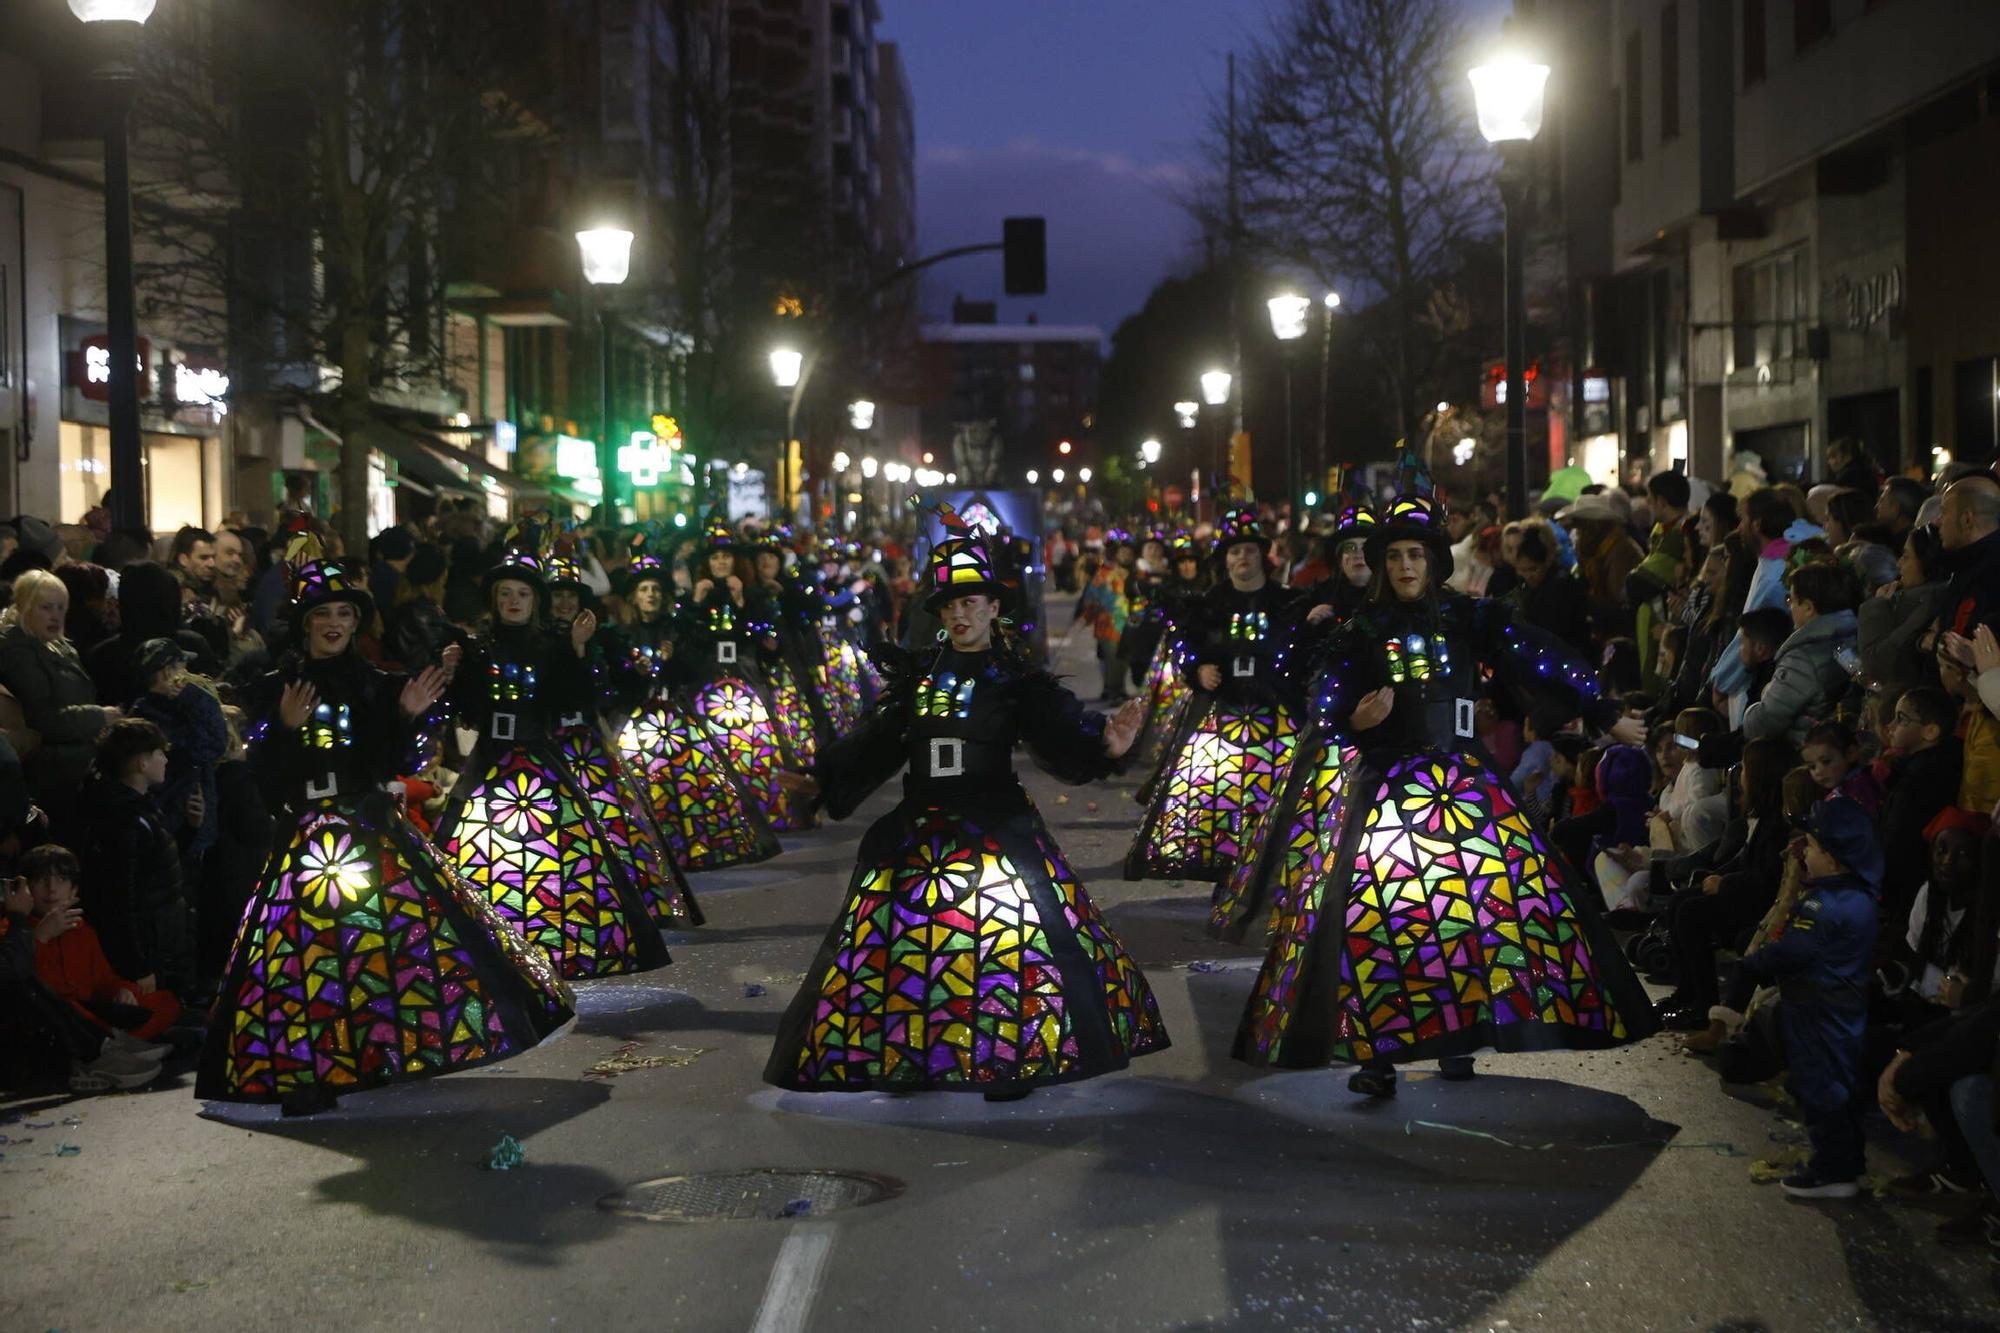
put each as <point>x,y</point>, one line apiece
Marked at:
<point>1024,245</point>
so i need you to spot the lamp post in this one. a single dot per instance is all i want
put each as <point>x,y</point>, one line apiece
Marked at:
<point>786,365</point>
<point>1215,392</point>
<point>607,262</point>
<point>1290,313</point>
<point>117,24</point>
<point>1331,301</point>
<point>1509,93</point>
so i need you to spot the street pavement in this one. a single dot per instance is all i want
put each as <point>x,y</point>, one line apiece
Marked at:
<point>1591,1191</point>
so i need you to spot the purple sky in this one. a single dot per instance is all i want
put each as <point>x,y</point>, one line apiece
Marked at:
<point>1085,111</point>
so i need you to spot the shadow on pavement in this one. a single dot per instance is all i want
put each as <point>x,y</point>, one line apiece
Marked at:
<point>1328,1210</point>
<point>420,1153</point>
<point>1892,1278</point>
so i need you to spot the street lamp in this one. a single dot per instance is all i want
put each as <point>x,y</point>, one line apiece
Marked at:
<point>1186,410</point>
<point>1083,475</point>
<point>1057,476</point>
<point>606,253</point>
<point>861,414</point>
<point>1331,301</point>
<point>1033,476</point>
<point>786,363</point>
<point>1289,314</point>
<point>1509,93</point>
<point>1215,392</point>
<point>117,23</point>
<point>1149,451</point>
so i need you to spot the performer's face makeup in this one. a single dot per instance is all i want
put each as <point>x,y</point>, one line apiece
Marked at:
<point>1354,563</point>
<point>1245,562</point>
<point>648,597</point>
<point>564,603</point>
<point>969,621</point>
<point>513,602</point>
<point>329,627</point>
<point>1408,565</point>
<point>721,564</point>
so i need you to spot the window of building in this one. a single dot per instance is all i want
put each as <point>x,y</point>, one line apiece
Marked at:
<point>1770,309</point>
<point>1670,70</point>
<point>1027,372</point>
<point>1635,118</point>
<point>1812,21</point>
<point>1753,42</point>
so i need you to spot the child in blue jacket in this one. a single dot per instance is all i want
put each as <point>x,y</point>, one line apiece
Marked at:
<point>1821,963</point>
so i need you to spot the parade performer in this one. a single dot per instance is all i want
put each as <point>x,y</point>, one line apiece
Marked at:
<point>1144,625</point>
<point>1436,920</point>
<point>709,819</point>
<point>724,623</point>
<point>1170,605</point>
<point>1237,731</point>
<point>1287,838</point>
<point>614,796</point>
<point>363,957</point>
<point>794,668</point>
<point>518,823</point>
<point>847,695</point>
<point>967,956</point>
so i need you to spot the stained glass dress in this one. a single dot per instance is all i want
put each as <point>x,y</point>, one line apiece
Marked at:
<point>707,817</point>
<point>796,670</point>
<point>519,824</point>
<point>1284,844</point>
<point>730,694</point>
<point>627,816</point>
<point>967,956</point>
<point>363,957</point>
<point>1225,758</point>
<point>1432,920</point>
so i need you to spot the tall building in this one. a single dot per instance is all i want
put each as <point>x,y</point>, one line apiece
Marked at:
<point>1003,397</point>
<point>1799,196</point>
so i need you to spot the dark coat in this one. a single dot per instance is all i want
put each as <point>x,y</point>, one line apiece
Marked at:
<point>131,866</point>
<point>1920,785</point>
<point>60,704</point>
<point>1558,605</point>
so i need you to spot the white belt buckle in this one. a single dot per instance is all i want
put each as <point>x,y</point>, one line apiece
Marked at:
<point>947,757</point>
<point>320,789</point>
<point>725,651</point>
<point>1462,716</point>
<point>503,726</point>
<point>1245,664</point>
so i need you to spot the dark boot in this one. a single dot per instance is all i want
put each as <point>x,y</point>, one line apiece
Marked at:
<point>1376,1080</point>
<point>1456,1069</point>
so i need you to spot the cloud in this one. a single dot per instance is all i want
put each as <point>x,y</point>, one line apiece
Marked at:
<point>1115,228</point>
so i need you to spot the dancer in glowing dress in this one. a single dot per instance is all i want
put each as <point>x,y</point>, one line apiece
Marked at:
<point>363,957</point>
<point>967,956</point>
<point>1436,921</point>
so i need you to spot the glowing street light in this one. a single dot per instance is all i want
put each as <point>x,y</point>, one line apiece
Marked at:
<point>1215,387</point>
<point>1509,93</point>
<point>1186,410</point>
<point>1289,313</point>
<point>1332,300</point>
<point>861,414</point>
<point>1149,450</point>
<point>869,466</point>
<point>1062,446</point>
<point>607,255</point>
<point>786,363</point>
<point>1083,475</point>
<point>1033,476</point>
<point>1057,476</point>
<point>841,462</point>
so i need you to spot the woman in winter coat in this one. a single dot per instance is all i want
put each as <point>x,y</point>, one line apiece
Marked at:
<point>1888,625</point>
<point>1809,677</point>
<point>60,705</point>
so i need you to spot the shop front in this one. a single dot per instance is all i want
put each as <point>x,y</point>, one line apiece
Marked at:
<point>183,418</point>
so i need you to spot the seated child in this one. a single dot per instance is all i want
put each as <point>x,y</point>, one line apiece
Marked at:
<point>70,961</point>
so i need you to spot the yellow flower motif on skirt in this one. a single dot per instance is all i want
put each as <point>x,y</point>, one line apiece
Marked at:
<point>516,806</point>
<point>1442,800</point>
<point>334,873</point>
<point>940,873</point>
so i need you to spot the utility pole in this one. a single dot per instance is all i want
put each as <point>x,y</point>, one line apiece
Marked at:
<point>1235,225</point>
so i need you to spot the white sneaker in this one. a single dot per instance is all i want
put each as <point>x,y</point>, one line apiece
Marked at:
<point>111,1060</point>
<point>100,1076</point>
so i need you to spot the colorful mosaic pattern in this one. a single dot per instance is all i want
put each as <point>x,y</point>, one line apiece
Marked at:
<point>1454,917</point>
<point>1287,845</point>
<point>793,714</point>
<point>361,960</point>
<point>628,825</point>
<point>946,972</point>
<point>1165,693</point>
<point>702,810</point>
<point>845,684</point>
<point>1221,776</point>
<point>737,716</point>
<point>527,836</point>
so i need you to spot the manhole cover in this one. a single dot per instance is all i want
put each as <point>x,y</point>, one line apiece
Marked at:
<point>753,1195</point>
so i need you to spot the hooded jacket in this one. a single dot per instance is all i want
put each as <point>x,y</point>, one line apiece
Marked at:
<point>1806,679</point>
<point>131,867</point>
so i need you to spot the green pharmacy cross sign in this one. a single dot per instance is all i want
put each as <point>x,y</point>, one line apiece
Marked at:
<point>646,459</point>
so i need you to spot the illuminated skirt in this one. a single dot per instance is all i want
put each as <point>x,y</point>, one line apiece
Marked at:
<point>363,958</point>
<point>1436,922</point>
<point>799,711</point>
<point>847,694</point>
<point>706,816</point>
<point>629,827</point>
<point>1222,769</point>
<point>520,828</point>
<point>1285,845</point>
<point>1166,696</point>
<point>968,958</point>
<point>740,716</point>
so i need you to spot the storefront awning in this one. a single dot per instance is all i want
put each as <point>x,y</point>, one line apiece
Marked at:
<point>419,466</point>
<point>450,457</point>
